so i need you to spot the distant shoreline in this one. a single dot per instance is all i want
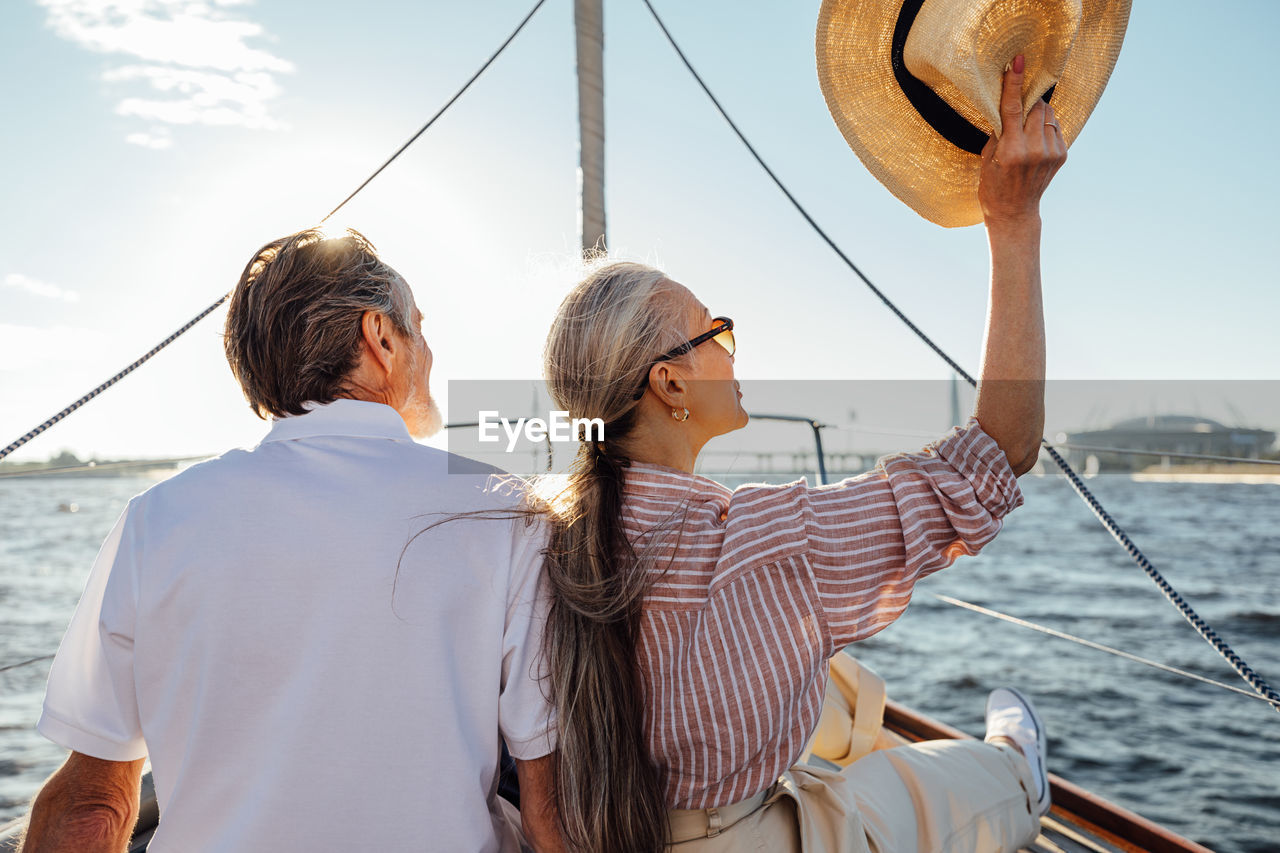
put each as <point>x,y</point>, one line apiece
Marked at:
<point>1209,473</point>
<point>72,467</point>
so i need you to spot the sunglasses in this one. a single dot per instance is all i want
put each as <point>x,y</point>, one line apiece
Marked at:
<point>721,332</point>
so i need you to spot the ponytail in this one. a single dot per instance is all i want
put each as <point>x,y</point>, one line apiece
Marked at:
<point>611,794</point>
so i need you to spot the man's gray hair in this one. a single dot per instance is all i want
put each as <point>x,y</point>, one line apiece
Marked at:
<point>293,330</point>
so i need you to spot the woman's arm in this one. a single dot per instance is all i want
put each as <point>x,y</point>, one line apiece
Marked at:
<point>1017,167</point>
<point>870,539</point>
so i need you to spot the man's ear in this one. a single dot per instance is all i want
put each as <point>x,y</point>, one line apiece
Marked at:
<point>379,339</point>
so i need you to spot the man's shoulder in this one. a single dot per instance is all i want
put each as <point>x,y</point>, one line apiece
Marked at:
<point>411,466</point>
<point>212,469</point>
<point>449,473</point>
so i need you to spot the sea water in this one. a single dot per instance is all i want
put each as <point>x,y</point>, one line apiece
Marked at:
<point>1198,759</point>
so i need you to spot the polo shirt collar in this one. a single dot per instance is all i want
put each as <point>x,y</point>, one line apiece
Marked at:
<point>353,418</point>
<point>647,478</point>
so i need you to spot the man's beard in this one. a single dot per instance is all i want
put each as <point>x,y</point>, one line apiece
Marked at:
<point>423,415</point>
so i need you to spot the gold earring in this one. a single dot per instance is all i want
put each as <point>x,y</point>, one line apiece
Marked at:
<point>676,415</point>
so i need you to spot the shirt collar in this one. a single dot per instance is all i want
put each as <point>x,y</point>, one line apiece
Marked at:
<point>647,478</point>
<point>355,418</point>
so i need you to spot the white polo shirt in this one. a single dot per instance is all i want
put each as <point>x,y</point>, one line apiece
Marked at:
<point>301,679</point>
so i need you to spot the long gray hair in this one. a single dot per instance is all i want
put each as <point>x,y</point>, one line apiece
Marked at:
<point>605,335</point>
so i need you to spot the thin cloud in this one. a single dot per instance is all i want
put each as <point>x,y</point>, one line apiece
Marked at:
<point>40,288</point>
<point>200,97</point>
<point>158,138</point>
<point>193,61</point>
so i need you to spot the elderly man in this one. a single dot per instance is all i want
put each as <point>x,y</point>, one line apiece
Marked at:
<point>257,626</point>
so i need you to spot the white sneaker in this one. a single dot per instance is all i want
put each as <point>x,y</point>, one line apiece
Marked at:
<point>1011,715</point>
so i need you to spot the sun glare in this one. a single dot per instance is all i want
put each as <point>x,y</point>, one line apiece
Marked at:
<point>333,229</point>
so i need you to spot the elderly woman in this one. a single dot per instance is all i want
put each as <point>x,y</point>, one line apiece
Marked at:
<point>691,626</point>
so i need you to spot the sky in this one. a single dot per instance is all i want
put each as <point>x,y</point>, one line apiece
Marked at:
<point>152,145</point>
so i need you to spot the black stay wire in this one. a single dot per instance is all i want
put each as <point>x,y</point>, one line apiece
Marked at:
<point>1202,628</point>
<point>21,663</point>
<point>206,312</point>
<point>441,111</point>
<point>800,208</point>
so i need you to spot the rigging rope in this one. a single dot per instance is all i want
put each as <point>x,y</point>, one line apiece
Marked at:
<point>440,112</point>
<point>1202,628</point>
<point>1014,620</point>
<point>8,667</point>
<point>113,380</point>
<point>206,312</point>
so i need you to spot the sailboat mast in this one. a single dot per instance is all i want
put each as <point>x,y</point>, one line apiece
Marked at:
<point>588,16</point>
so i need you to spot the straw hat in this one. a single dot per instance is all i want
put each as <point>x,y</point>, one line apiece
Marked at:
<point>914,85</point>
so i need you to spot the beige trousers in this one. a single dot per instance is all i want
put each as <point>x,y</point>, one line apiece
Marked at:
<point>944,796</point>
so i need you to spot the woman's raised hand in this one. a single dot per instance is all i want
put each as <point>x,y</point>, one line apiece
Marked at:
<point>1020,161</point>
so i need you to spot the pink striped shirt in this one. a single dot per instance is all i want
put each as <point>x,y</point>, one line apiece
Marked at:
<point>757,588</point>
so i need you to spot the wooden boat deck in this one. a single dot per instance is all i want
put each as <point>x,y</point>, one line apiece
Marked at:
<point>1080,822</point>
